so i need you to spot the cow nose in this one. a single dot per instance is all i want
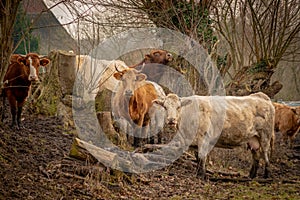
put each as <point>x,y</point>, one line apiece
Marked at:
<point>171,120</point>
<point>169,56</point>
<point>32,78</point>
<point>128,92</point>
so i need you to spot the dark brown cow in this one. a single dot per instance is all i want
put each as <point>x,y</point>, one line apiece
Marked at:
<point>17,82</point>
<point>134,97</point>
<point>287,121</point>
<point>153,64</point>
<point>156,56</point>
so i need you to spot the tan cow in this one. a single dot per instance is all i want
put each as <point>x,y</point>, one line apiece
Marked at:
<point>225,122</point>
<point>287,121</point>
<point>133,99</point>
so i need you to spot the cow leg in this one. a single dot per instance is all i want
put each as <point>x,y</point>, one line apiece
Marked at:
<point>266,153</point>
<point>19,112</point>
<point>266,150</point>
<point>201,160</point>
<point>138,131</point>
<point>159,137</point>
<point>267,164</point>
<point>136,137</point>
<point>255,163</point>
<point>151,133</point>
<point>13,109</point>
<point>151,139</point>
<point>136,142</point>
<point>284,139</point>
<point>291,140</point>
<point>146,134</point>
<point>196,156</point>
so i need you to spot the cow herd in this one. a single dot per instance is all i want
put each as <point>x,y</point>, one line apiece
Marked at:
<point>141,107</point>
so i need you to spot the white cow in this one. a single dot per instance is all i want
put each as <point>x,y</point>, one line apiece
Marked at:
<point>225,122</point>
<point>97,75</point>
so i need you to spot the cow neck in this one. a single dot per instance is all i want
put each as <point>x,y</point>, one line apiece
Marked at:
<point>15,86</point>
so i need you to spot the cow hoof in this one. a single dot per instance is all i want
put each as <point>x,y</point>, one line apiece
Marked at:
<point>21,127</point>
<point>202,176</point>
<point>14,127</point>
<point>267,174</point>
<point>252,176</point>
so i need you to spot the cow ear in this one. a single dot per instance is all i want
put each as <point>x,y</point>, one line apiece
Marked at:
<point>118,75</point>
<point>158,102</point>
<point>141,77</point>
<point>21,60</point>
<point>185,102</point>
<point>147,57</point>
<point>44,61</point>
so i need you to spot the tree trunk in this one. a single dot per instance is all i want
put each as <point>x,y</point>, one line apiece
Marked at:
<point>8,13</point>
<point>106,124</point>
<point>84,151</point>
<point>252,79</point>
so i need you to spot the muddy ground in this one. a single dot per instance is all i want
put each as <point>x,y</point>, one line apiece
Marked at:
<point>34,164</point>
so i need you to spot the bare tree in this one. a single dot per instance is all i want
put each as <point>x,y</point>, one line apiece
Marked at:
<point>259,34</point>
<point>8,13</point>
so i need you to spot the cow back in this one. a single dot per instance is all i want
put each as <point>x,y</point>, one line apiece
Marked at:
<point>245,118</point>
<point>287,121</point>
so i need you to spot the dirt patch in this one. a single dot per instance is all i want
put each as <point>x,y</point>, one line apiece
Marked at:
<point>34,164</point>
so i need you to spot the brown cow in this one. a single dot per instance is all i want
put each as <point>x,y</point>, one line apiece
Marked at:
<point>133,99</point>
<point>287,122</point>
<point>153,65</point>
<point>225,122</point>
<point>156,56</point>
<point>17,82</point>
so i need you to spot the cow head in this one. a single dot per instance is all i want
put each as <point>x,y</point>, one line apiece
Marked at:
<point>172,104</point>
<point>32,62</point>
<point>130,79</point>
<point>158,56</point>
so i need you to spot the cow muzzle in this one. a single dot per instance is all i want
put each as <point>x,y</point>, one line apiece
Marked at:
<point>33,78</point>
<point>172,122</point>
<point>169,57</point>
<point>128,93</point>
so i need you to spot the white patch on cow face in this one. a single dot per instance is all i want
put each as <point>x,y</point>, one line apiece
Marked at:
<point>32,74</point>
<point>169,57</point>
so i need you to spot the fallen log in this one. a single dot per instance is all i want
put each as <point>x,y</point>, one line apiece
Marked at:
<point>83,150</point>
